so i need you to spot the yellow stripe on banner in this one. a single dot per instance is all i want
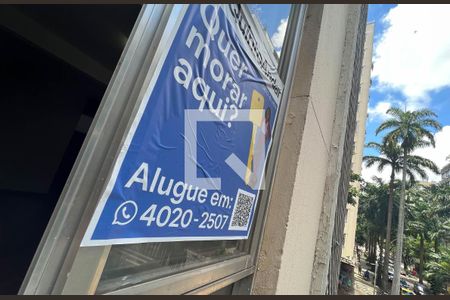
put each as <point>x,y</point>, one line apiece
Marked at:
<point>257,104</point>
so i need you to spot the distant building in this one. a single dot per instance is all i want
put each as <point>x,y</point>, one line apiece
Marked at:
<point>360,134</point>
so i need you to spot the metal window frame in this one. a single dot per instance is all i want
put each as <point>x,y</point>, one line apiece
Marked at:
<point>60,266</point>
<point>61,240</point>
<point>205,278</point>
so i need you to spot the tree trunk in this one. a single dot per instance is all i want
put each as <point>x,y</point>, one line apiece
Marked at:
<point>401,219</point>
<point>387,245</point>
<point>372,247</point>
<point>421,257</point>
<point>405,262</point>
<point>436,245</point>
<point>380,261</point>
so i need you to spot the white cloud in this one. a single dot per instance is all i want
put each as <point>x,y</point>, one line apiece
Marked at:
<point>368,173</point>
<point>413,53</point>
<point>379,111</point>
<point>437,155</point>
<point>278,36</point>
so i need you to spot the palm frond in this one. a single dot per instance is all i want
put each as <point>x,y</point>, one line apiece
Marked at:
<point>376,146</point>
<point>396,112</point>
<point>424,112</point>
<point>422,162</point>
<point>431,123</point>
<point>390,123</point>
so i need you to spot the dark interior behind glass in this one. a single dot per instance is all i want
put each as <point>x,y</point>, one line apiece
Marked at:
<point>47,106</point>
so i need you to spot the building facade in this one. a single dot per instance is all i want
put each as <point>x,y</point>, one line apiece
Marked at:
<point>348,249</point>
<point>73,105</point>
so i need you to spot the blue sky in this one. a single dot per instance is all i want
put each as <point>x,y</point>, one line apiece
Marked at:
<point>411,57</point>
<point>274,19</point>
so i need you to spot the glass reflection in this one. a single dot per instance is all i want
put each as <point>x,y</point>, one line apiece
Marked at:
<point>131,264</point>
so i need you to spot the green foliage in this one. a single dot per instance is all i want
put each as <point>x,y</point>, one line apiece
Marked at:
<point>404,132</point>
<point>438,271</point>
<point>428,211</point>
<point>410,246</point>
<point>373,200</point>
<point>361,229</point>
<point>428,218</point>
<point>372,212</point>
<point>437,284</point>
<point>353,191</point>
<point>412,129</point>
<point>390,155</point>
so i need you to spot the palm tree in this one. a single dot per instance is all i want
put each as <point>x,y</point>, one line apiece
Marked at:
<point>439,271</point>
<point>437,268</point>
<point>412,129</point>
<point>422,221</point>
<point>391,156</point>
<point>428,220</point>
<point>440,198</point>
<point>371,214</point>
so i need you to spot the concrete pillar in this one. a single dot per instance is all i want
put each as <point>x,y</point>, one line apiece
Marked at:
<point>288,250</point>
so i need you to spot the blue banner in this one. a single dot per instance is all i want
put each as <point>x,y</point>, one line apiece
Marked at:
<point>192,164</point>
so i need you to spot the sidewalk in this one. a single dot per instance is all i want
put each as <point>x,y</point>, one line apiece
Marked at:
<point>363,287</point>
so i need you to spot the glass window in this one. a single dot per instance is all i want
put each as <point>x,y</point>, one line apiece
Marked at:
<point>50,95</point>
<point>128,265</point>
<point>131,264</point>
